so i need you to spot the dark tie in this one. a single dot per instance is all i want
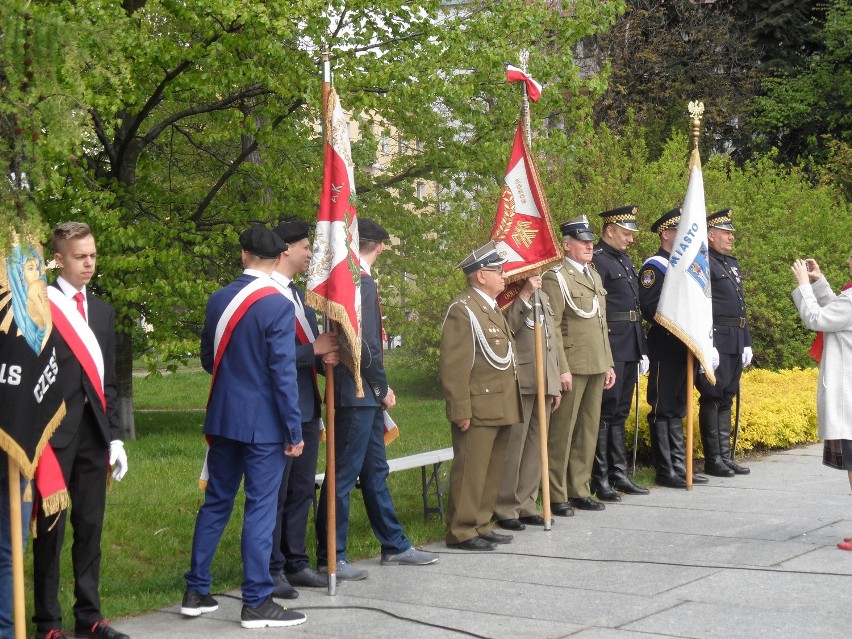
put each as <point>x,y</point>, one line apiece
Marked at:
<point>295,293</point>
<point>80,308</point>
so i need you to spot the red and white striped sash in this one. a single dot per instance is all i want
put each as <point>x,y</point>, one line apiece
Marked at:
<point>79,337</point>
<point>234,312</point>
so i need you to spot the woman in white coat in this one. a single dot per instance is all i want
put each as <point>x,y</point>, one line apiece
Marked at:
<point>822,310</point>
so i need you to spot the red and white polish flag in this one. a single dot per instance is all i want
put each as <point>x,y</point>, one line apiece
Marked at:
<point>514,74</point>
<point>334,275</point>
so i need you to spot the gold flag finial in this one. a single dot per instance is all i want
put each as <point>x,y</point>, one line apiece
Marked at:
<point>696,110</point>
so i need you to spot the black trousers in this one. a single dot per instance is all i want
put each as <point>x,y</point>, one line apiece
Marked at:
<point>616,401</point>
<point>84,463</point>
<point>727,382</point>
<point>295,498</point>
<point>666,393</point>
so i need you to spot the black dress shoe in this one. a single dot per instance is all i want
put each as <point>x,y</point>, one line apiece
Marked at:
<point>606,494</point>
<point>532,520</point>
<point>476,543</point>
<point>671,481</point>
<point>699,479</point>
<point>626,486</point>
<point>586,503</point>
<point>100,630</point>
<point>511,524</point>
<point>717,470</point>
<point>562,509</point>
<point>497,538</point>
<point>734,466</point>
<point>282,588</point>
<point>307,577</point>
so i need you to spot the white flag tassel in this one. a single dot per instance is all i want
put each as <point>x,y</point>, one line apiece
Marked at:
<point>686,305</point>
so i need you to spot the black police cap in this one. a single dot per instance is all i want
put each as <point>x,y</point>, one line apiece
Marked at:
<point>721,220</point>
<point>624,216</point>
<point>667,221</point>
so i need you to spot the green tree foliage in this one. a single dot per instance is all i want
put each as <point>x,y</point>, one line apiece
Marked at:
<point>807,113</point>
<point>203,116</point>
<point>39,71</point>
<point>783,32</point>
<point>664,53</point>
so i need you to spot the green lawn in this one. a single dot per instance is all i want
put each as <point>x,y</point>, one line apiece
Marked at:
<point>150,514</point>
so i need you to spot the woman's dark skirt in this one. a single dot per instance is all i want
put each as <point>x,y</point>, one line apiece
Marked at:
<point>837,453</point>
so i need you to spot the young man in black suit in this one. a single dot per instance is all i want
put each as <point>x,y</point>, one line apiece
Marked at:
<point>86,443</point>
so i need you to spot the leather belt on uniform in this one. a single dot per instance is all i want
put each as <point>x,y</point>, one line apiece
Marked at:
<point>629,316</point>
<point>721,320</point>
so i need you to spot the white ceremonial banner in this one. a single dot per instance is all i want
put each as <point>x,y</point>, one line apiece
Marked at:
<point>686,305</point>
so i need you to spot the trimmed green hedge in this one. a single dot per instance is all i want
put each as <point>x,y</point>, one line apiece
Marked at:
<point>778,411</point>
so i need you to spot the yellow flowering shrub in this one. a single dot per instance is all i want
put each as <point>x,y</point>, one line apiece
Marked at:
<point>778,411</point>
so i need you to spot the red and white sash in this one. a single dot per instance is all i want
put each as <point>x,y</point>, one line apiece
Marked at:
<point>79,337</point>
<point>255,290</point>
<point>304,332</point>
<point>248,295</point>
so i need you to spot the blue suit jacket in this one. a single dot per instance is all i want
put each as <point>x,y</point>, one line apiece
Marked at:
<point>373,375</point>
<point>306,362</point>
<point>254,399</point>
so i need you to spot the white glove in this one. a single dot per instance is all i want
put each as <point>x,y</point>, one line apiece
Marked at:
<point>748,355</point>
<point>117,459</point>
<point>644,365</point>
<point>715,358</point>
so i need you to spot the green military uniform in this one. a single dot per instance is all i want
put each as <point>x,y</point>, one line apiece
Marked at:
<point>482,387</point>
<point>583,350</point>
<point>522,470</point>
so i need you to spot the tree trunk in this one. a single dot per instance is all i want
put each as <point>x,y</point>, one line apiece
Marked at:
<point>124,373</point>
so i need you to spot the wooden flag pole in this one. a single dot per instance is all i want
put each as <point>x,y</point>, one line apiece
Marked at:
<point>542,407</point>
<point>690,414</point>
<point>330,459</point>
<point>538,335</point>
<point>17,540</point>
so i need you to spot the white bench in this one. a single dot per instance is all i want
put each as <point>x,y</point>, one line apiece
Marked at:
<point>433,458</point>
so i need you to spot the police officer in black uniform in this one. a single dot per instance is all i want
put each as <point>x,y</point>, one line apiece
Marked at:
<point>667,393</point>
<point>627,342</point>
<point>732,338</point>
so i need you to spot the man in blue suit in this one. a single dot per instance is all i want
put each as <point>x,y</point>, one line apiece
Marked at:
<point>359,443</point>
<point>289,564</point>
<point>252,423</point>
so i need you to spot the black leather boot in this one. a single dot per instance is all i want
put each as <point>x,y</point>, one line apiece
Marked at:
<point>678,447</point>
<point>661,453</point>
<point>725,443</point>
<point>618,477</point>
<point>600,475</point>
<point>708,419</point>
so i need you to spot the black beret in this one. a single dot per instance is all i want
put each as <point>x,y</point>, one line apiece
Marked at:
<point>260,241</point>
<point>721,220</point>
<point>371,231</point>
<point>668,220</point>
<point>624,216</point>
<point>292,230</point>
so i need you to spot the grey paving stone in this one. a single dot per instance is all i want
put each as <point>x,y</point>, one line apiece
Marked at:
<point>750,556</point>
